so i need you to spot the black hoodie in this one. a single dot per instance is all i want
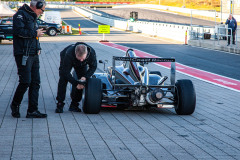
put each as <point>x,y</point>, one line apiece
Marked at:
<point>25,40</point>
<point>69,61</point>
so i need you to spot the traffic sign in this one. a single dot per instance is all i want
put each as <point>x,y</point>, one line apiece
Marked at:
<point>104,29</point>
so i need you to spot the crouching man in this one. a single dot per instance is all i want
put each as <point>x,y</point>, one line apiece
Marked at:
<point>82,58</point>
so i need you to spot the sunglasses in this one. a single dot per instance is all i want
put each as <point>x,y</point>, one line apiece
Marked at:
<point>42,10</point>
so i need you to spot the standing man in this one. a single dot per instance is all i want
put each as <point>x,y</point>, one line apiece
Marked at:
<point>232,25</point>
<point>82,58</point>
<point>26,49</point>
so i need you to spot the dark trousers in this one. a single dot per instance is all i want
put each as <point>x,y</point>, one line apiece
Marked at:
<point>233,36</point>
<point>76,94</point>
<point>29,77</point>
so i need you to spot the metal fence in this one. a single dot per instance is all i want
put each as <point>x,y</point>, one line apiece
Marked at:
<point>217,33</point>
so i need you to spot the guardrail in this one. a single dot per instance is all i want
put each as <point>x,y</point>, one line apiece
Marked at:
<point>237,30</point>
<point>198,32</point>
<point>224,34</point>
<point>220,32</point>
<point>165,30</point>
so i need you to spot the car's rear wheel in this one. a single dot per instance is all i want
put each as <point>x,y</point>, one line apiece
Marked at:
<point>52,32</point>
<point>185,97</point>
<point>92,96</point>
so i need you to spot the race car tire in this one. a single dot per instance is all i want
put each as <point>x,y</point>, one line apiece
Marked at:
<point>92,97</point>
<point>156,72</point>
<point>185,97</point>
<point>52,32</point>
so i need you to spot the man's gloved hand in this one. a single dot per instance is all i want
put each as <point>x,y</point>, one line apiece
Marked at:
<point>82,82</point>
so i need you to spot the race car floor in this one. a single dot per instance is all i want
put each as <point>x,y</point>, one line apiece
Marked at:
<point>211,132</point>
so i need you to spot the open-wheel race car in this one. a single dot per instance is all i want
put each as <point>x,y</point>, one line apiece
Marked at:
<point>132,86</point>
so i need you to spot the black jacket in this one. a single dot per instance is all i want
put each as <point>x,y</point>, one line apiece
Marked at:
<point>69,61</point>
<point>25,40</point>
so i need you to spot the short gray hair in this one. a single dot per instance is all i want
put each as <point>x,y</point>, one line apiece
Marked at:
<point>33,3</point>
<point>80,50</point>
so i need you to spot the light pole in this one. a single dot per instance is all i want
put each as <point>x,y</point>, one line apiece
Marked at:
<point>183,4</point>
<point>221,11</point>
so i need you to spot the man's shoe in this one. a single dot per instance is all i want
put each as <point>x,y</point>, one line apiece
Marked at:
<point>228,44</point>
<point>15,111</point>
<point>59,108</point>
<point>74,107</point>
<point>36,114</point>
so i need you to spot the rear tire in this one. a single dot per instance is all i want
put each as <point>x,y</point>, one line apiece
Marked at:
<point>185,97</point>
<point>92,97</point>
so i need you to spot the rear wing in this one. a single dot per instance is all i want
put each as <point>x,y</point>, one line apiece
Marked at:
<point>138,59</point>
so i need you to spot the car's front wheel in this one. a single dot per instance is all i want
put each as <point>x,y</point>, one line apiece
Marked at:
<point>52,32</point>
<point>185,97</point>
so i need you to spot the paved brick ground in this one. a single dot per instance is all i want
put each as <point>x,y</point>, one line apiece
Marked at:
<point>212,132</point>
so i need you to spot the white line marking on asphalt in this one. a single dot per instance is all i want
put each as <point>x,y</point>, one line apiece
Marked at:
<point>216,50</point>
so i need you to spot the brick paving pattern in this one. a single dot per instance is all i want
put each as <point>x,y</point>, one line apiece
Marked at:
<point>212,132</point>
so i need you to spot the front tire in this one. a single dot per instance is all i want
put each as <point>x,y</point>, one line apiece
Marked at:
<point>52,32</point>
<point>92,96</point>
<point>185,97</point>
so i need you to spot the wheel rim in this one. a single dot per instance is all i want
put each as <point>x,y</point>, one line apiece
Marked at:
<point>83,97</point>
<point>177,98</point>
<point>52,32</point>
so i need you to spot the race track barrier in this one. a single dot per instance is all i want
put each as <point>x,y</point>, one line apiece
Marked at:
<point>165,30</point>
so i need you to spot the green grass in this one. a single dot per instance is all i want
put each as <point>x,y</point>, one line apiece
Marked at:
<point>63,23</point>
<point>75,31</point>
